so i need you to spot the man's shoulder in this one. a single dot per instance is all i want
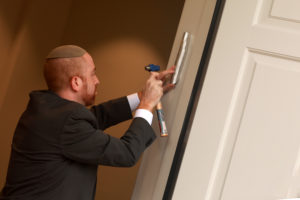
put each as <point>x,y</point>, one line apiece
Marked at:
<point>47,106</point>
<point>54,108</point>
<point>45,99</point>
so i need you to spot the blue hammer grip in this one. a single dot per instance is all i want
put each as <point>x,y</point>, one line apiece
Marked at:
<point>152,68</point>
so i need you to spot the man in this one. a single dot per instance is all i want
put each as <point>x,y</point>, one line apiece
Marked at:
<point>58,142</point>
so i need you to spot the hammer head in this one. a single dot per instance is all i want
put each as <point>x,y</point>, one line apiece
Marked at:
<point>152,68</point>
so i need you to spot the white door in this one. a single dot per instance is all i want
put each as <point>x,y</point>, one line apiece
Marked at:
<point>244,142</point>
<point>157,160</point>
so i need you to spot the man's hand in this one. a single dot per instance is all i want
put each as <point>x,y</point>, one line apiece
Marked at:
<point>164,76</point>
<point>151,93</point>
<point>154,89</point>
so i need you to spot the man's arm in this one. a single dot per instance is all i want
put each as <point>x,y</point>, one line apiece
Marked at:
<point>112,112</point>
<point>82,142</point>
<point>119,110</point>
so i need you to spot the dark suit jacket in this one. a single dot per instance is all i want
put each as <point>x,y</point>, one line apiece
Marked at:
<point>58,145</point>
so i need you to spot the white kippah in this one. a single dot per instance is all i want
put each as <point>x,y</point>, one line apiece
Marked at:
<point>66,51</point>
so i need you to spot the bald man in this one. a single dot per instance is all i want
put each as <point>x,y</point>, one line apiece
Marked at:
<point>59,143</point>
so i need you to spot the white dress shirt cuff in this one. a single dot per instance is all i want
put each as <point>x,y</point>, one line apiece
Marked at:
<point>134,101</point>
<point>143,113</point>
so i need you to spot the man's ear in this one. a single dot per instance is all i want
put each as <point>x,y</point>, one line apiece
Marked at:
<point>76,83</point>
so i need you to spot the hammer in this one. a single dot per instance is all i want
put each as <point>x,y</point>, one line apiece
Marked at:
<point>159,110</point>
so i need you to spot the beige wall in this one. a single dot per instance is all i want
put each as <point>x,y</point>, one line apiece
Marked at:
<point>122,37</point>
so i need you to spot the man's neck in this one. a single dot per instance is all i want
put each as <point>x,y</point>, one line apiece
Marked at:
<point>69,95</point>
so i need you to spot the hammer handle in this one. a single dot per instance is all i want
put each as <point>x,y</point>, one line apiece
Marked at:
<point>161,120</point>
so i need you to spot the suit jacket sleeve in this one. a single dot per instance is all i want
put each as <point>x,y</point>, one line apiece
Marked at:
<point>83,142</point>
<point>112,112</point>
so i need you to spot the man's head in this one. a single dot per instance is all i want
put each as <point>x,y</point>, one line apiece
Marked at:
<point>70,72</point>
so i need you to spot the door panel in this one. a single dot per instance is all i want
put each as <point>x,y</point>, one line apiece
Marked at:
<point>245,137</point>
<point>268,137</point>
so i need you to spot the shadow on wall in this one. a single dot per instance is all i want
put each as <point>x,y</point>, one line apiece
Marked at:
<point>11,19</point>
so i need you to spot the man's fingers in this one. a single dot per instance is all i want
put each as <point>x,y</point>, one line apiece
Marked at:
<point>168,87</point>
<point>160,83</point>
<point>167,72</point>
<point>154,75</point>
<point>172,68</point>
<point>162,75</point>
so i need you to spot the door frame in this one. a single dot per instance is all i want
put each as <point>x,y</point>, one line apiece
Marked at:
<point>195,95</point>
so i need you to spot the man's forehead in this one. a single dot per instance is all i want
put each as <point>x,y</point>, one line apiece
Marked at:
<point>66,51</point>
